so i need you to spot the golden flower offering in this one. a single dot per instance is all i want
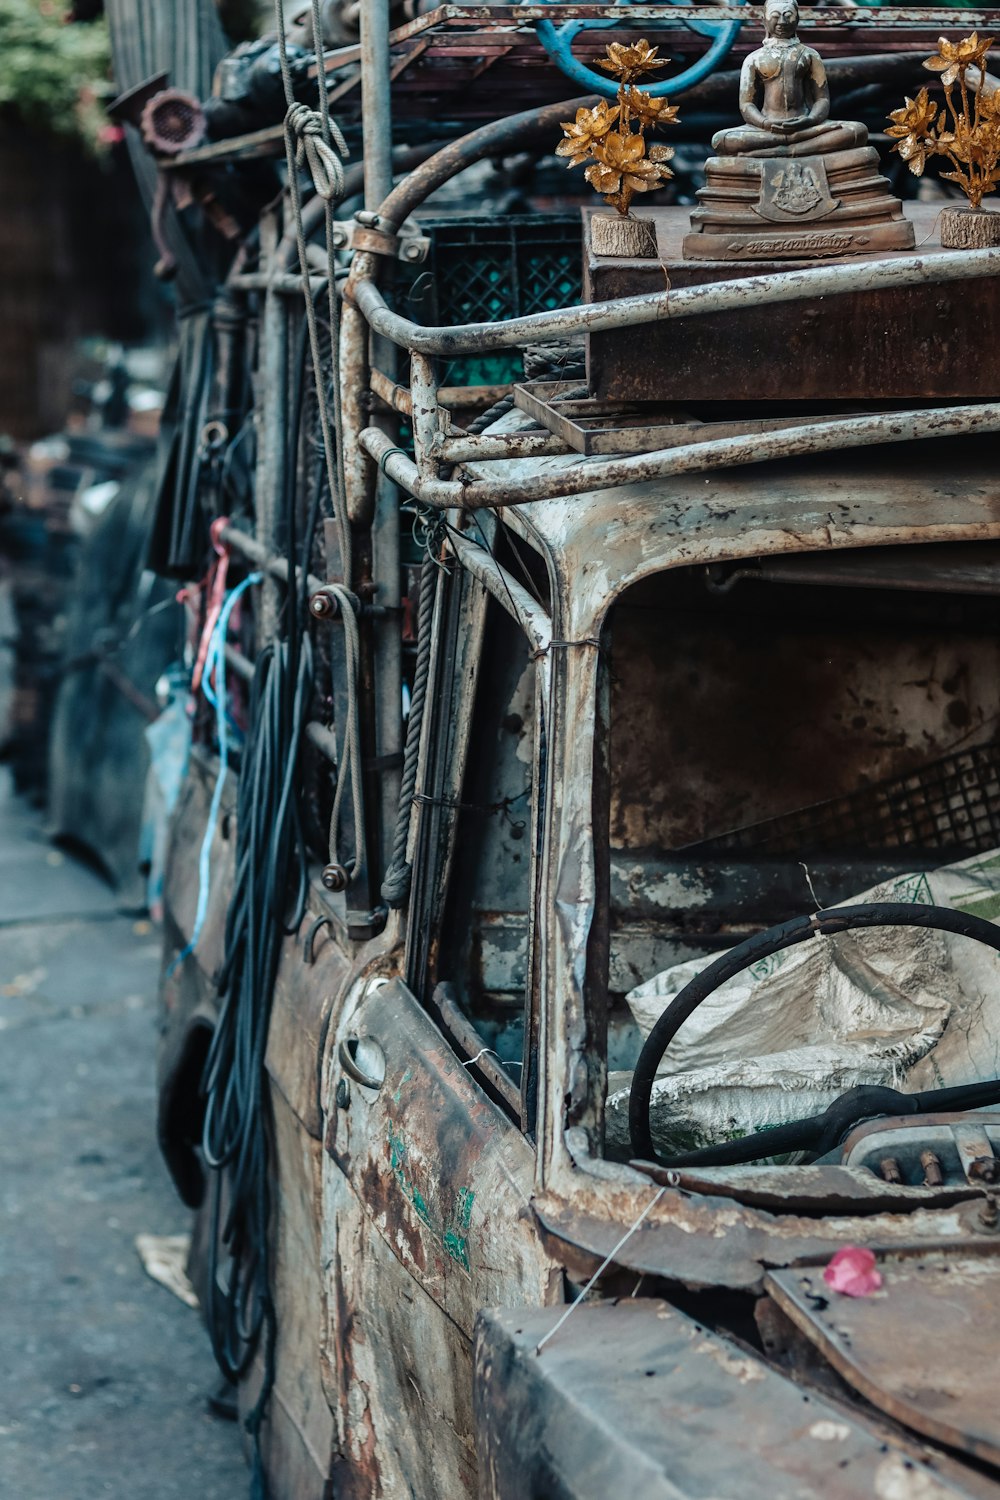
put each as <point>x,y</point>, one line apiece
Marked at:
<point>965,131</point>
<point>612,137</point>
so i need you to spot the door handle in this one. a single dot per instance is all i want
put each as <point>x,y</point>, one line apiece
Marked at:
<point>363,1060</point>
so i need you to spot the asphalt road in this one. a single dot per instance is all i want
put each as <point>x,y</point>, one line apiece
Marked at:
<point>104,1373</point>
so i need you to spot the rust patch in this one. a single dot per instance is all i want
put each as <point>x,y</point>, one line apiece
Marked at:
<point>356,1473</point>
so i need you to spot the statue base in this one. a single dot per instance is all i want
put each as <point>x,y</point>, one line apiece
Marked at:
<point>796,208</point>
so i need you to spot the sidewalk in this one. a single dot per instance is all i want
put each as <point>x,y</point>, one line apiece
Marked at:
<point>104,1373</point>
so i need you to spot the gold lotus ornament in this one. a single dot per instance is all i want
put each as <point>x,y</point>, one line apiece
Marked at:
<point>613,139</point>
<point>590,127</point>
<point>966,132</point>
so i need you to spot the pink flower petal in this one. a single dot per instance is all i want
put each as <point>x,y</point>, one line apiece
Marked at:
<point>853,1272</point>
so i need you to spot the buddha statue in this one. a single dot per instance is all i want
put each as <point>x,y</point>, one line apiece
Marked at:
<point>792,118</point>
<point>790,164</point>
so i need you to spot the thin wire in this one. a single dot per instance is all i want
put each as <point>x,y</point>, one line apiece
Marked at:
<point>599,1272</point>
<point>485,547</point>
<point>492,1051</point>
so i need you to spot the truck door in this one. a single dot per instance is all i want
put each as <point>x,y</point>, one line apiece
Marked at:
<point>429,1161</point>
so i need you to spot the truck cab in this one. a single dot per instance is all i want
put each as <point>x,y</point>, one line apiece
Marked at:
<point>584,696</point>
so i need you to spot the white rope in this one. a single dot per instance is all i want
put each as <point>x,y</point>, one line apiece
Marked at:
<point>316,139</point>
<point>599,1272</point>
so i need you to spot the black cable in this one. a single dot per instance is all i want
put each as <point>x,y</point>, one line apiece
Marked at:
<point>268,902</point>
<point>760,946</point>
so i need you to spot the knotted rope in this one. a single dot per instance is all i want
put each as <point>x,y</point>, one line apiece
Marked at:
<point>313,150</point>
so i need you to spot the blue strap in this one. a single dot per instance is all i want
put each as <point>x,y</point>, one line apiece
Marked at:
<point>558,43</point>
<point>215,660</point>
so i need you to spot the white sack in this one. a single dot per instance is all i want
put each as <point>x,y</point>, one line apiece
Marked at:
<point>907,1007</point>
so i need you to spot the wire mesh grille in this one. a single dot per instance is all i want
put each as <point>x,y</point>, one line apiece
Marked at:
<point>952,804</point>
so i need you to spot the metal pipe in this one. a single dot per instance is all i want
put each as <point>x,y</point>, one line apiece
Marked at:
<point>376,100</point>
<point>488,140</point>
<point>458,446</point>
<point>241,665</point>
<point>505,589</point>
<point>289,284</point>
<point>322,739</point>
<point>375,500</point>
<point>261,557</point>
<point>398,396</point>
<point>723,453</point>
<point>461,449</point>
<point>355,382</point>
<point>713,297</point>
<point>395,396</point>
<point>903,18</point>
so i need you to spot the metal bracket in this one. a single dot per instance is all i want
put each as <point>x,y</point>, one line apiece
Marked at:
<point>365,232</point>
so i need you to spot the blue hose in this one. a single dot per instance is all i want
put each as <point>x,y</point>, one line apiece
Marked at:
<point>558,43</point>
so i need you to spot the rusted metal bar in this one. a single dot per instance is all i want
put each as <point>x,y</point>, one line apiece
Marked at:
<point>901,17</point>
<point>355,382</point>
<point>376,84</point>
<point>507,18</point>
<point>461,449</point>
<point>254,143</point>
<point>725,453</point>
<point>426,415</point>
<point>713,297</point>
<point>472,395</point>
<point>394,395</point>
<point>458,446</point>
<point>318,735</point>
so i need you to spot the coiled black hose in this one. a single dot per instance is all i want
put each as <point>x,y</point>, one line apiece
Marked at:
<point>856,1104</point>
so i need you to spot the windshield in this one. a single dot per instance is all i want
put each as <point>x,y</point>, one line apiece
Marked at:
<point>787,736</point>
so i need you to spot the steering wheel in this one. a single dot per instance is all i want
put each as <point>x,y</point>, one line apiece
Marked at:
<point>816,1134</point>
<point>558,43</point>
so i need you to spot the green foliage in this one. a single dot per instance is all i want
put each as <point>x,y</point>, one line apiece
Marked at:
<point>53,74</point>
